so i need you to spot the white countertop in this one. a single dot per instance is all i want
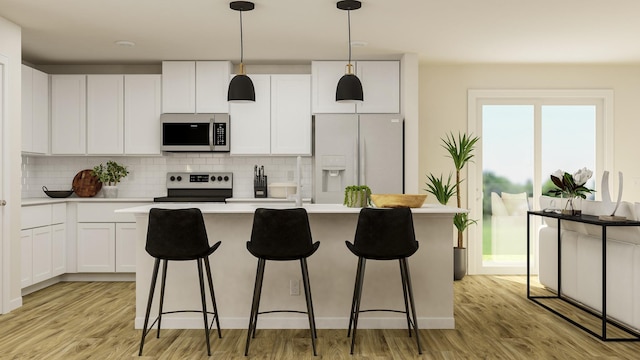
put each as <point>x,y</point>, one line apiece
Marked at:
<point>245,208</point>
<point>48,200</point>
<point>265,200</point>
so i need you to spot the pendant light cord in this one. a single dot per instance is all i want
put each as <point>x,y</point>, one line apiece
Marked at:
<point>241,41</point>
<point>349,23</point>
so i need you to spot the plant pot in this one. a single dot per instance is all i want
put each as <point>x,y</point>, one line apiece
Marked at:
<point>110,191</point>
<point>356,198</point>
<point>459,263</point>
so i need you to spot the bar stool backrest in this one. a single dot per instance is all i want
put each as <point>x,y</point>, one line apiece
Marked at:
<point>177,234</point>
<point>385,234</point>
<point>281,234</point>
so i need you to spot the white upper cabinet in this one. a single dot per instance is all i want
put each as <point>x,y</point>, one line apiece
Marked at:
<point>195,86</point>
<point>105,114</point>
<point>212,82</point>
<point>251,121</point>
<point>279,122</point>
<point>380,85</point>
<point>142,107</point>
<point>324,79</point>
<point>178,86</point>
<point>35,111</point>
<point>290,115</point>
<point>68,114</point>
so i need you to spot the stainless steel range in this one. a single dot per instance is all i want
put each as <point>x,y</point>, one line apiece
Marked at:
<point>198,187</point>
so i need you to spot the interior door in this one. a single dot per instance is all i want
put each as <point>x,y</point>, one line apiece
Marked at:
<point>4,237</point>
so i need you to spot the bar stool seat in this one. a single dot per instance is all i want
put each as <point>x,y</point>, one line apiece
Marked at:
<point>179,235</point>
<point>384,234</point>
<point>281,235</point>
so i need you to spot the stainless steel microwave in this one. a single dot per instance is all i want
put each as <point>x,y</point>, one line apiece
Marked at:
<point>195,132</point>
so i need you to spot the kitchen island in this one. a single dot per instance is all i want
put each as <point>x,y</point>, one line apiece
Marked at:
<point>332,271</point>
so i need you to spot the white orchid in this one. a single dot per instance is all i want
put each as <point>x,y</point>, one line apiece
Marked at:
<point>571,185</point>
<point>581,176</point>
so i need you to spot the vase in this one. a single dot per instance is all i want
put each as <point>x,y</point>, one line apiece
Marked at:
<point>110,191</point>
<point>573,207</point>
<point>459,263</point>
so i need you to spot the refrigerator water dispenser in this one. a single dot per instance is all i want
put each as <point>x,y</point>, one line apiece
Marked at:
<point>333,171</point>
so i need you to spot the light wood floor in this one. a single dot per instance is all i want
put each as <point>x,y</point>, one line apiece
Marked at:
<point>494,320</point>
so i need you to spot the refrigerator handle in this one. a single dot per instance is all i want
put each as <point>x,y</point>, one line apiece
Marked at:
<point>355,161</point>
<point>363,164</point>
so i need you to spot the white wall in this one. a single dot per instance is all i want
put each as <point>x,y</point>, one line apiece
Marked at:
<point>443,106</point>
<point>11,48</point>
<point>147,174</point>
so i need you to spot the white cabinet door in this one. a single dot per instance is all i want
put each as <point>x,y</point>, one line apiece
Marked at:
<point>212,82</point>
<point>290,115</point>
<point>142,108</point>
<point>41,258</point>
<point>324,80</point>
<point>26,260</point>
<point>250,122</point>
<point>27,108</point>
<point>381,87</point>
<point>178,87</point>
<point>126,247</point>
<point>58,249</point>
<point>68,114</point>
<point>40,113</point>
<point>105,114</point>
<point>96,247</point>
<point>35,111</point>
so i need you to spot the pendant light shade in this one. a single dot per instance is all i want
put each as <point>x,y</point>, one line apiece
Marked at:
<point>349,89</point>
<point>241,87</point>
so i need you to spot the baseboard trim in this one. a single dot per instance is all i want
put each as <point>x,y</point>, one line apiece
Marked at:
<point>99,277</point>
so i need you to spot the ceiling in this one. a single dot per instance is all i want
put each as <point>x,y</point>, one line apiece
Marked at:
<point>297,31</point>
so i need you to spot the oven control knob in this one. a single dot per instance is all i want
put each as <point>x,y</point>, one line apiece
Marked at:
<point>226,178</point>
<point>213,178</point>
<point>179,178</point>
<point>219,178</point>
<point>172,178</point>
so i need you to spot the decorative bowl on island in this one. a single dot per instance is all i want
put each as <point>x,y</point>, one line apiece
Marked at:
<point>398,200</point>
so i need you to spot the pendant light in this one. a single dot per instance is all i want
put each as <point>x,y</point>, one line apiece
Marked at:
<point>349,88</point>
<point>241,87</point>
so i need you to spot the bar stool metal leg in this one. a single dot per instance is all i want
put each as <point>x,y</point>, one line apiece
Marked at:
<point>152,289</point>
<point>357,308</point>
<point>407,276</point>
<point>355,291</point>
<point>204,306</point>
<point>162,282</point>
<point>213,295</point>
<point>253,318</point>
<point>307,295</point>
<point>404,294</point>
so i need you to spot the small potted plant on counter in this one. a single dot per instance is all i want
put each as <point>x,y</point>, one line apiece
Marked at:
<point>110,176</point>
<point>357,196</point>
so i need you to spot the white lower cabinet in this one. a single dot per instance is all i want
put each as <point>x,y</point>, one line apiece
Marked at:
<point>26,249</point>
<point>105,240</point>
<point>58,249</point>
<point>43,243</point>
<point>42,268</point>
<point>126,247</point>
<point>96,247</point>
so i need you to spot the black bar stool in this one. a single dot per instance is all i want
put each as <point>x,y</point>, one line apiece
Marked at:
<point>384,234</point>
<point>281,235</point>
<point>179,235</point>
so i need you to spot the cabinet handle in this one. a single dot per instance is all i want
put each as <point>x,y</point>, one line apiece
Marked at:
<point>3,202</point>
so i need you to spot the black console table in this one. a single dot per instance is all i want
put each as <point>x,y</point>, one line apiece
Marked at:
<point>586,219</point>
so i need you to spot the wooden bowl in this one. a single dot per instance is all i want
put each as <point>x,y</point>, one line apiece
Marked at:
<point>398,200</point>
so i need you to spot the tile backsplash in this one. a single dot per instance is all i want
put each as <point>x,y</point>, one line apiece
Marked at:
<point>146,177</point>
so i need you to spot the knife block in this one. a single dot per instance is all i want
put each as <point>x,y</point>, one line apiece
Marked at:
<point>260,187</point>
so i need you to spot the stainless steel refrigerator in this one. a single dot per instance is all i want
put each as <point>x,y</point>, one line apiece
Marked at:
<point>352,149</point>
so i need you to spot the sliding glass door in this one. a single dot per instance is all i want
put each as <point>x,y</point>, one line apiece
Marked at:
<point>524,140</point>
